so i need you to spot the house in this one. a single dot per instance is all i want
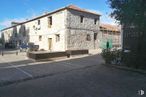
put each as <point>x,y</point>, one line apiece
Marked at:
<point>110,33</point>
<point>68,28</point>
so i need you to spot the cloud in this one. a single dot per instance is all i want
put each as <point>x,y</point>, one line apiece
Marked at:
<point>95,11</point>
<point>7,22</point>
<point>105,17</point>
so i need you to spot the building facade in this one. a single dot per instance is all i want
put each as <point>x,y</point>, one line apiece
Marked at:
<point>68,28</point>
<point>111,34</point>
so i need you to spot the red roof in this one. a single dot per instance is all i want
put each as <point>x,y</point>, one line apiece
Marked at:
<point>110,27</point>
<point>81,10</point>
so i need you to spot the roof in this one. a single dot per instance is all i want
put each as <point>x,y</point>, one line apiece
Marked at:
<point>110,27</point>
<point>72,7</point>
<point>81,10</point>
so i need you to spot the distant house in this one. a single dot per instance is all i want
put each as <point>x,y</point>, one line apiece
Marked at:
<point>68,28</point>
<point>111,34</point>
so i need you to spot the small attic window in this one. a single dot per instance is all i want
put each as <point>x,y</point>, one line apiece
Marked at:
<point>81,19</point>
<point>39,22</point>
<point>50,21</point>
<point>95,21</point>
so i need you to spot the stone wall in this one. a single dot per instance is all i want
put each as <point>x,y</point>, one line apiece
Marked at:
<point>77,32</point>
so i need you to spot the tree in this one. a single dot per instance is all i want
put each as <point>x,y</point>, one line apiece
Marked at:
<point>0,40</point>
<point>132,15</point>
<point>128,11</point>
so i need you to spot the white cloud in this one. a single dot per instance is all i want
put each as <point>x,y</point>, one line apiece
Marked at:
<point>7,22</point>
<point>105,17</point>
<point>95,11</point>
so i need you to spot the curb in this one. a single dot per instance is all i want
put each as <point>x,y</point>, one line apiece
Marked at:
<point>127,69</point>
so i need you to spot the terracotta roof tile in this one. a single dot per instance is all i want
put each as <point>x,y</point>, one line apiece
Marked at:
<point>110,27</point>
<point>82,10</point>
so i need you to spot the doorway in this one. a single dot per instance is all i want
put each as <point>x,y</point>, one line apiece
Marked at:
<point>50,43</point>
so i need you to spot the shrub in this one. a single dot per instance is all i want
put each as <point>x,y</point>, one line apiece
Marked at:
<point>111,57</point>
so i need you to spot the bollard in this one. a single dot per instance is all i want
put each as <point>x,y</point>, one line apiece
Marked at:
<point>68,55</point>
<point>16,52</point>
<point>2,53</point>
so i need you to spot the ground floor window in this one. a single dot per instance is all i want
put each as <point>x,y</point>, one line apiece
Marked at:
<point>57,37</point>
<point>40,38</point>
<point>88,38</point>
<point>95,36</point>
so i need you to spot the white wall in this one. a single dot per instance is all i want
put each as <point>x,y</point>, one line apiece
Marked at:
<point>57,27</point>
<point>7,34</point>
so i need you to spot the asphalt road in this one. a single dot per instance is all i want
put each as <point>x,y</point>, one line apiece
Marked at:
<point>84,77</point>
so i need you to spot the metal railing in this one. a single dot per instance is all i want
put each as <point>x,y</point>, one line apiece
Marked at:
<point>4,51</point>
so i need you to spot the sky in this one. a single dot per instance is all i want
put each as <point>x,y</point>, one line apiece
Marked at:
<point>20,10</point>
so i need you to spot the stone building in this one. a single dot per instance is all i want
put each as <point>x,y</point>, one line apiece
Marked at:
<point>68,28</point>
<point>111,34</point>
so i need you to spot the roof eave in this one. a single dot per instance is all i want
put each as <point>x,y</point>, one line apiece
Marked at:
<point>47,15</point>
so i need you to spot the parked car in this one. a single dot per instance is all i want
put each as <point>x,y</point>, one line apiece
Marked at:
<point>23,47</point>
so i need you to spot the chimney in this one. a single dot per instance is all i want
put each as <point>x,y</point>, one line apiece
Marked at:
<point>14,23</point>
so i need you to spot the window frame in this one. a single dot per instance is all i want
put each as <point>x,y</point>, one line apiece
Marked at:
<point>95,21</point>
<point>39,22</point>
<point>40,37</point>
<point>57,37</point>
<point>50,21</point>
<point>81,18</point>
<point>88,37</point>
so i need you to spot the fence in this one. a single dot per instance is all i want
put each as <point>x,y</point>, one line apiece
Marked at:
<point>8,51</point>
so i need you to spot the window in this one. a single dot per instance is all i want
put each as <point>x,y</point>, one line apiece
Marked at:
<point>81,19</point>
<point>95,36</point>
<point>95,21</point>
<point>40,38</point>
<point>88,38</point>
<point>33,26</point>
<point>104,32</point>
<point>15,34</point>
<point>39,22</point>
<point>49,22</point>
<point>57,37</point>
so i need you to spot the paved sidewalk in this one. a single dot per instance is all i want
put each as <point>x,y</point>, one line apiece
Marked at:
<point>95,51</point>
